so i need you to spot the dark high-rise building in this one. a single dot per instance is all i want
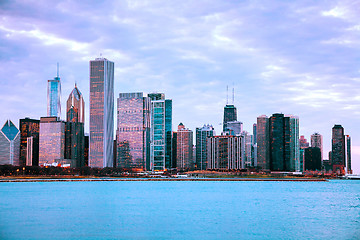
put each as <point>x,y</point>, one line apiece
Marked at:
<point>230,115</point>
<point>133,131</point>
<point>338,149</point>
<point>29,142</point>
<point>174,149</point>
<point>86,150</point>
<point>184,152</point>
<point>312,159</point>
<point>201,148</point>
<point>348,154</point>
<point>254,133</point>
<point>101,113</point>
<point>161,132</point>
<point>317,141</point>
<point>263,144</point>
<point>9,144</point>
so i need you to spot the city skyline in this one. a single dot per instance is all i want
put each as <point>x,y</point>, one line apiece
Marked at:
<point>190,52</point>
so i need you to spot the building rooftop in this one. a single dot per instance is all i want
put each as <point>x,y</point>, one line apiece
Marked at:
<point>9,130</point>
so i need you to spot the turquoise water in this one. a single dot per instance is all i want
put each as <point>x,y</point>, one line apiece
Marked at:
<point>180,210</point>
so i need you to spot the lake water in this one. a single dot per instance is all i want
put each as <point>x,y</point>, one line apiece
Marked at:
<point>180,210</point>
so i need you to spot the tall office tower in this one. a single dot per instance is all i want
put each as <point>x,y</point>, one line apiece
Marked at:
<point>174,149</point>
<point>201,148</point>
<point>133,131</point>
<point>101,113</point>
<point>230,115</point>
<point>75,107</point>
<point>248,149</point>
<point>317,141</point>
<point>254,133</point>
<point>9,144</point>
<point>225,152</point>
<point>86,150</point>
<point>29,142</point>
<point>54,96</point>
<point>51,141</point>
<point>348,154</point>
<point>312,159</point>
<point>184,152</point>
<point>74,128</point>
<point>338,149</point>
<point>284,143</point>
<point>263,145</point>
<point>160,132</point>
<point>303,142</point>
<point>234,128</point>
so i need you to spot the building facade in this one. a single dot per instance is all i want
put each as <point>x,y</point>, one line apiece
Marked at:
<point>9,144</point>
<point>184,146</point>
<point>29,141</point>
<point>338,149</point>
<point>312,159</point>
<point>201,147</point>
<point>133,131</point>
<point>160,132</point>
<point>101,139</point>
<point>348,155</point>
<point>263,145</point>
<point>54,97</point>
<point>230,115</point>
<point>75,106</point>
<point>51,140</point>
<point>317,141</point>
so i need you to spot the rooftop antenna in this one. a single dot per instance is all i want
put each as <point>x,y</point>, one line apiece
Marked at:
<point>57,70</point>
<point>100,54</point>
<point>227,94</point>
<point>233,94</point>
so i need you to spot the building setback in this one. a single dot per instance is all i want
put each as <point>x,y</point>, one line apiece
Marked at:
<point>184,156</point>
<point>133,131</point>
<point>201,147</point>
<point>29,141</point>
<point>160,132</point>
<point>225,152</point>
<point>101,141</point>
<point>9,144</point>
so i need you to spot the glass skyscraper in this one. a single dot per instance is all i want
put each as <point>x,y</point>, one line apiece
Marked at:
<point>101,142</point>
<point>161,132</point>
<point>201,148</point>
<point>29,142</point>
<point>9,144</point>
<point>75,106</point>
<point>133,131</point>
<point>338,148</point>
<point>230,115</point>
<point>54,97</point>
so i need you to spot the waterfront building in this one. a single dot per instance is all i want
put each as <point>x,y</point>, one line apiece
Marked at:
<point>86,150</point>
<point>234,128</point>
<point>254,133</point>
<point>101,139</point>
<point>312,159</point>
<point>303,142</point>
<point>262,140</point>
<point>201,147</point>
<point>317,141</point>
<point>348,155</point>
<point>160,132</point>
<point>54,96</point>
<point>29,141</point>
<point>51,140</point>
<point>9,144</point>
<point>225,152</point>
<point>133,131</point>
<point>75,107</point>
<point>338,149</point>
<point>184,152</point>
<point>174,149</point>
<point>230,115</point>
<point>247,149</point>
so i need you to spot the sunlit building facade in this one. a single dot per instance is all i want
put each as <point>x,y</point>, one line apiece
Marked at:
<point>29,141</point>
<point>161,132</point>
<point>133,131</point>
<point>184,156</point>
<point>101,113</point>
<point>75,106</point>
<point>9,144</point>
<point>54,97</point>
<point>201,147</point>
<point>51,140</point>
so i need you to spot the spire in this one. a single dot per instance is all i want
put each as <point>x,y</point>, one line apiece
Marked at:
<point>227,94</point>
<point>233,95</point>
<point>57,75</point>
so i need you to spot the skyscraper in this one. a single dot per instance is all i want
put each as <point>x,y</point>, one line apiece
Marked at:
<point>133,131</point>
<point>54,96</point>
<point>184,150</point>
<point>75,107</point>
<point>201,148</point>
<point>29,141</point>
<point>317,141</point>
<point>9,144</point>
<point>51,140</point>
<point>263,145</point>
<point>348,154</point>
<point>230,115</point>
<point>312,159</point>
<point>161,132</point>
<point>338,149</point>
<point>101,139</point>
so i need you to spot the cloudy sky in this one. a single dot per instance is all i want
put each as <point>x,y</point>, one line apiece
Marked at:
<point>295,57</point>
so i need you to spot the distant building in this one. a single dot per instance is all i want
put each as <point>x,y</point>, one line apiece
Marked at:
<point>9,144</point>
<point>313,159</point>
<point>54,97</point>
<point>201,147</point>
<point>133,131</point>
<point>348,154</point>
<point>247,149</point>
<point>29,142</point>
<point>75,107</point>
<point>184,156</point>
<point>174,150</point>
<point>254,133</point>
<point>230,115</point>
<point>234,128</point>
<point>51,141</point>
<point>161,132</point>
<point>101,113</point>
<point>86,150</point>
<point>303,142</point>
<point>317,141</point>
<point>338,149</point>
<point>225,153</point>
<point>263,144</point>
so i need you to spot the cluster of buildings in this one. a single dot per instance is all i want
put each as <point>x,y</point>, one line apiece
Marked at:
<point>145,140</point>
